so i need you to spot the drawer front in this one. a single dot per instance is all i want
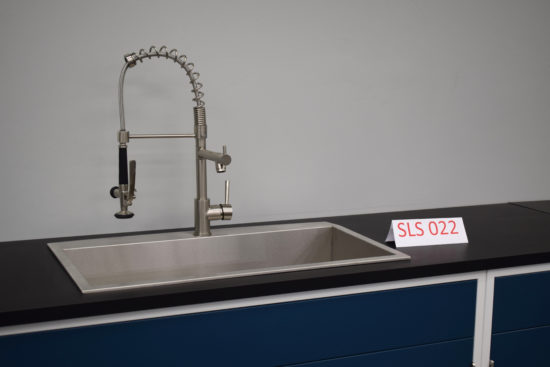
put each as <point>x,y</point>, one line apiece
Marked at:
<point>521,348</point>
<point>521,301</point>
<point>457,353</point>
<point>265,335</point>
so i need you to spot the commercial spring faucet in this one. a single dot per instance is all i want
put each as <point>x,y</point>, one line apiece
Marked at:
<point>125,192</point>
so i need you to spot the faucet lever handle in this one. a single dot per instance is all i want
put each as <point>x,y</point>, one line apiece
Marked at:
<point>226,208</point>
<point>226,202</point>
<point>132,190</point>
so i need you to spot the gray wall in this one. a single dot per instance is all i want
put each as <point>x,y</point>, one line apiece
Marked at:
<point>327,107</point>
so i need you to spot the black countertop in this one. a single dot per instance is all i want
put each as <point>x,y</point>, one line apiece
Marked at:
<point>542,206</point>
<point>34,287</point>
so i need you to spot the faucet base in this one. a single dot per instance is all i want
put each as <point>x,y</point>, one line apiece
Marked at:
<point>202,222</point>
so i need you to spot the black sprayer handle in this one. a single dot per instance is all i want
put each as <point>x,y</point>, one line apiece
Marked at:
<point>122,166</point>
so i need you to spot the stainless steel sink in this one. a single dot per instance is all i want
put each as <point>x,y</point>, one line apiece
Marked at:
<point>116,263</point>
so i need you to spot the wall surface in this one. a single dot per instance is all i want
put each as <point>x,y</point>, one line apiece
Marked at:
<point>327,108</point>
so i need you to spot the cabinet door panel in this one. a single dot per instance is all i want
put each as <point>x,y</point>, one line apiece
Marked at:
<point>457,353</point>
<point>522,348</point>
<point>521,302</point>
<point>265,335</point>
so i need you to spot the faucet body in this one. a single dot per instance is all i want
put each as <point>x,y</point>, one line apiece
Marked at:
<point>204,212</point>
<point>125,192</point>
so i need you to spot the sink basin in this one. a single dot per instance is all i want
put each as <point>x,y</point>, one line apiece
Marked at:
<point>116,263</point>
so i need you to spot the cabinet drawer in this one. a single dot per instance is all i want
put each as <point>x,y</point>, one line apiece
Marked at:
<point>521,348</point>
<point>521,301</point>
<point>457,353</point>
<point>264,335</point>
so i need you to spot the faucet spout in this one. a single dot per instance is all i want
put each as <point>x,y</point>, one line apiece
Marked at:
<point>220,158</point>
<point>204,212</point>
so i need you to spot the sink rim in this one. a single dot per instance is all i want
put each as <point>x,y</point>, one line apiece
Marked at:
<point>60,249</point>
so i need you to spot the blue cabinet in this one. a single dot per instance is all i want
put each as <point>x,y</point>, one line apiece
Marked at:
<point>409,323</point>
<point>521,320</point>
<point>457,353</point>
<point>527,347</point>
<point>521,301</point>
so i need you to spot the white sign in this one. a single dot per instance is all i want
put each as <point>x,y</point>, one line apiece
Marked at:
<point>423,232</point>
